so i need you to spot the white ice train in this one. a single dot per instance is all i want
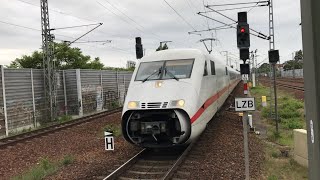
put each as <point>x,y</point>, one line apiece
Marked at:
<point>172,96</point>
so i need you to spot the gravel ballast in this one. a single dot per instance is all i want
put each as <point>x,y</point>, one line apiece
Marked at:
<point>219,152</point>
<point>85,143</point>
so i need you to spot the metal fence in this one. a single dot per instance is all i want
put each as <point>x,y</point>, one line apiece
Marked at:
<point>79,92</point>
<point>295,73</point>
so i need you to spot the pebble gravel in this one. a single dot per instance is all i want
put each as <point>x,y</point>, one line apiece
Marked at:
<point>219,153</point>
<point>84,142</point>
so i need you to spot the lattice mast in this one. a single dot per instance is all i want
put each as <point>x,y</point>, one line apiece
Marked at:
<point>48,61</point>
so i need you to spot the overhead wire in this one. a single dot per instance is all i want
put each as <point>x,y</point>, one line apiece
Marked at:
<point>135,22</point>
<point>234,4</point>
<point>123,19</point>
<point>21,26</point>
<point>230,9</point>
<point>30,28</point>
<point>180,15</point>
<point>69,27</point>
<point>59,11</point>
<point>260,35</point>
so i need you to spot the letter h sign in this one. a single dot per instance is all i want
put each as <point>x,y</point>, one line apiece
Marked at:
<point>109,141</point>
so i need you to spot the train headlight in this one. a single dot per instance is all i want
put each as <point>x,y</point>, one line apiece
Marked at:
<point>159,84</point>
<point>177,103</point>
<point>133,104</point>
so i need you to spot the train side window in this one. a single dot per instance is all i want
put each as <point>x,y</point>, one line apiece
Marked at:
<point>226,70</point>
<point>205,73</point>
<point>213,68</point>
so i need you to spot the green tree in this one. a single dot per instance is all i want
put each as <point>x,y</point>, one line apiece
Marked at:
<point>292,64</point>
<point>66,57</point>
<point>298,55</point>
<point>296,63</point>
<point>264,68</point>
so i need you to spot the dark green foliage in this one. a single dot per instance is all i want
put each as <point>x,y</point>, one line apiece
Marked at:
<point>64,118</point>
<point>296,63</point>
<point>66,58</point>
<point>115,129</point>
<point>292,123</point>
<point>68,159</point>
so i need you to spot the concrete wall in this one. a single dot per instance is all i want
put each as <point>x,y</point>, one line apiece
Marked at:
<point>300,147</point>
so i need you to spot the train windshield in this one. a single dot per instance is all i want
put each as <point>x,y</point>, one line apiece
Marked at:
<point>172,69</point>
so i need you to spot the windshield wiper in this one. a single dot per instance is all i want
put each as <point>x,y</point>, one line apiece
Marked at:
<point>172,75</point>
<point>158,71</point>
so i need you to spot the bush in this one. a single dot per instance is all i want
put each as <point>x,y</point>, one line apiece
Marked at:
<point>265,112</point>
<point>115,129</point>
<point>274,136</point>
<point>272,177</point>
<point>292,123</point>
<point>275,154</point>
<point>287,113</point>
<point>68,159</point>
<point>64,118</point>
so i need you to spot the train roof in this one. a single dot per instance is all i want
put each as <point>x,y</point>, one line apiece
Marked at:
<point>174,54</point>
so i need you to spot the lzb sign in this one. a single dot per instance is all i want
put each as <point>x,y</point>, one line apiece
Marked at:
<point>245,104</point>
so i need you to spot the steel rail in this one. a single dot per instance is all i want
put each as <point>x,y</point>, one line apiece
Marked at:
<point>279,84</point>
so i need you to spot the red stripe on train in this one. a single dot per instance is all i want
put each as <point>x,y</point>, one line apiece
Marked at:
<point>208,102</point>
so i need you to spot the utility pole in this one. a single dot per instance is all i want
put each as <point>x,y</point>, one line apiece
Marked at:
<point>256,67</point>
<point>254,63</point>
<point>310,16</point>
<point>48,62</point>
<point>273,88</point>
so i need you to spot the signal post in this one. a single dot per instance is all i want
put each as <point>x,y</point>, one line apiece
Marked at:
<point>243,43</point>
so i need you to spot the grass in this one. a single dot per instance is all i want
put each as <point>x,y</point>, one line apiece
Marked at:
<point>68,159</point>
<point>290,110</point>
<point>45,168</point>
<point>291,116</point>
<point>60,119</point>
<point>277,167</point>
<point>24,130</point>
<point>115,129</point>
<point>64,118</point>
<point>114,104</point>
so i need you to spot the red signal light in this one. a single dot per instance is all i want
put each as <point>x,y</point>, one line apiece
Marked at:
<point>242,30</point>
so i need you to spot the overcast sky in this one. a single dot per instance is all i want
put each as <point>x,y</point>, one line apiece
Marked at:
<point>153,20</point>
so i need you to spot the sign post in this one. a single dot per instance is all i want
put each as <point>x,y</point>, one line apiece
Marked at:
<point>244,105</point>
<point>109,141</point>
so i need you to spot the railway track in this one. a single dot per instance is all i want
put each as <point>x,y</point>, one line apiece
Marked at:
<point>294,80</point>
<point>151,164</point>
<point>12,140</point>
<point>283,84</point>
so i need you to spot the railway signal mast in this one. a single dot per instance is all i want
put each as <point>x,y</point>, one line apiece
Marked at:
<point>243,43</point>
<point>48,61</point>
<point>273,59</point>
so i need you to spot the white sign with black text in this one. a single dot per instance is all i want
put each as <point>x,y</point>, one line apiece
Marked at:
<point>109,141</point>
<point>245,77</point>
<point>245,104</point>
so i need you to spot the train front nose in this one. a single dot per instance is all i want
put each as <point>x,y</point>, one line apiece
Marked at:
<point>156,128</point>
